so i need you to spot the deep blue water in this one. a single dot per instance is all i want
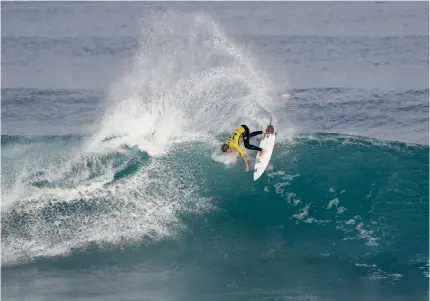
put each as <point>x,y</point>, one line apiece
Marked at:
<point>113,186</point>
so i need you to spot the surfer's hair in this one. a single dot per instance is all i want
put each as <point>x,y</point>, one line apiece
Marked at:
<point>224,147</point>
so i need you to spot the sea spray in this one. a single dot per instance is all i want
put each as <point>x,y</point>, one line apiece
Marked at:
<point>188,78</point>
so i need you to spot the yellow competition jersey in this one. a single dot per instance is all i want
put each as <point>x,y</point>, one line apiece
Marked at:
<point>233,141</point>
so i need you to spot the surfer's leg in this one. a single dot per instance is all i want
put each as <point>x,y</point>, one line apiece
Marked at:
<point>246,136</point>
<point>256,133</point>
<point>253,147</point>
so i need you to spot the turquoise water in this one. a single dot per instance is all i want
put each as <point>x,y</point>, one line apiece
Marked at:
<point>113,185</point>
<point>334,214</point>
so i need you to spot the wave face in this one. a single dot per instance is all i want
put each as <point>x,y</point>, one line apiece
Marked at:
<point>147,197</point>
<point>344,205</point>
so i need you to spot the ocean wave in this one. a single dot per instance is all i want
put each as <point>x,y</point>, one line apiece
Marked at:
<point>349,195</point>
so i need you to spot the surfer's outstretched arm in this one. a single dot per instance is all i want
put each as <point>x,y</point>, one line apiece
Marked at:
<point>245,162</point>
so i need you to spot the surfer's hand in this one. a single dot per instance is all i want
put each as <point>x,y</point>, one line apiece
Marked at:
<point>246,168</point>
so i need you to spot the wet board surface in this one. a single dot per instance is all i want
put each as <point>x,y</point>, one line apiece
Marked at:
<point>267,143</point>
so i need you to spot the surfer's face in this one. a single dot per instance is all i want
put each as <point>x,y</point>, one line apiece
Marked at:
<point>224,148</point>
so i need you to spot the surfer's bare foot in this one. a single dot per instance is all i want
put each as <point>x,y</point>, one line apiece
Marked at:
<point>262,152</point>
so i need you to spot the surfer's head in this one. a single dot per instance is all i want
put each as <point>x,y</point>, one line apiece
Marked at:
<point>224,147</point>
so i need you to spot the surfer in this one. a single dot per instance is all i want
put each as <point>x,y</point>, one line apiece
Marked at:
<point>232,143</point>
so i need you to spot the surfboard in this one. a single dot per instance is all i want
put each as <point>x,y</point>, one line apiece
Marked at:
<point>267,143</point>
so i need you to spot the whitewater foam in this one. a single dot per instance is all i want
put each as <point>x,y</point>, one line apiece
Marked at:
<point>143,207</point>
<point>187,81</point>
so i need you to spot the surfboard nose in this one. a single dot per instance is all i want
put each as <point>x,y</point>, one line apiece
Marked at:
<point>270,129</point>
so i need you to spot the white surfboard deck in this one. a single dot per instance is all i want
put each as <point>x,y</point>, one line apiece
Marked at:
<point>267,143</point>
